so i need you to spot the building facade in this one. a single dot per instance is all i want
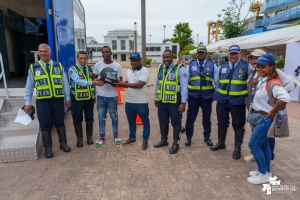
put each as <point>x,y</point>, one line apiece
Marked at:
<point>121,42</point>
<point>276,14</point>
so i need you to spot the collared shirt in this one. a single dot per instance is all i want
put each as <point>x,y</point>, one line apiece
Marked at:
<point>183,87</point>
<point>76,78</point>
<point>30,84</point>
<point>204,62</point>
<point>216,79</point>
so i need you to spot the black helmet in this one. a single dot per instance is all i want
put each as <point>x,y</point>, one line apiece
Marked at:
<point>31,112</point>
<point>109,75</point>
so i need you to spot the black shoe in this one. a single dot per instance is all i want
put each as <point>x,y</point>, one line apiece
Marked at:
<point>89,140</point>
<point>79,142</point>
<point>188,142</point>
<point>89,133</point>
<point>161,144</point>
<point>236,153</point>
<point>48,152</point>
<point>182,131</point>
<point>65,147</point>
<point>175,147</point>
<point>208,142</point>
<point>219,145</point>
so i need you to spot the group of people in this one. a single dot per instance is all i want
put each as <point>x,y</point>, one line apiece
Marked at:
<point>232,85</point>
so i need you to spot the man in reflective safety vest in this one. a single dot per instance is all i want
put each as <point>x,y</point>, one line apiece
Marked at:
<point>82,97</point>
<point>200,75</point>
<point>231,92</point>
<point>52,86</point>
<point>170,98</point>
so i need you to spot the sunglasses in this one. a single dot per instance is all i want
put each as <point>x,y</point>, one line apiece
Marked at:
<point>253,58</point>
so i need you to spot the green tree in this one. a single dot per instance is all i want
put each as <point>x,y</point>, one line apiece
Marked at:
<point>293,24</point>
<point>182,35</point>
<point>166,40</point>
<point>187,48</point>
<point>233,22</point>
<point>94,41</point>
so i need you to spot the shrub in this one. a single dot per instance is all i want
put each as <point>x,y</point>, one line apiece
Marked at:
<point>280,63</point>
<point>148,61</point>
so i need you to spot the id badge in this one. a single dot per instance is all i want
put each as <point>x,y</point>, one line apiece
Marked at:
<point>37,73</point>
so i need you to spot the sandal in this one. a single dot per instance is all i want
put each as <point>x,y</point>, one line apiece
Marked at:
<point>99,143</point>
<point>118,141</point>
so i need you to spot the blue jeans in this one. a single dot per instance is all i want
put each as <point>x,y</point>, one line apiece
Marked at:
<point>141,109</point>
<point>104,104</point>
<point>259,145</point>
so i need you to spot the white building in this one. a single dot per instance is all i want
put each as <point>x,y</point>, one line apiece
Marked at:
<point>121,43</point>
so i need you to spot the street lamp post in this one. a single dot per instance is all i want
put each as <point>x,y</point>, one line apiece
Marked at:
<point>150,38</point>
<point>135,37</point>
<point>164,31</point>
<point>197,40</point>
<point>143,19</point>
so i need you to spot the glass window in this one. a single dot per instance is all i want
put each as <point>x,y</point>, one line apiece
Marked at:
<point>157,48</point>
<point>114,44</point>
<point>147,49</point>
<point>151,49</point>
<point>174,49</point>
<point>130,44</point>
<point>99,49</point>
<point>93,49</point>
<point>123,45</point>
<point>115,56</point>
<point>167,47</point>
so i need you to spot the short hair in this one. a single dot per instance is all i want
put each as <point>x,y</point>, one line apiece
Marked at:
<point>44,21</point>
<point>168,51</point>
<point>82,52</point>
<point>107,47</point>
<point>45,45</point>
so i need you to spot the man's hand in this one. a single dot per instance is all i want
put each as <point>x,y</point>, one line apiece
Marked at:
<point>120,84</point>
<point>269,115</point>
<point>94,100</point>
<point>27,108</point>
<point>212,100</point>
<point>181,108</point>
<point>67,104</point>
<point>156,104</point>
<point>98,82</point>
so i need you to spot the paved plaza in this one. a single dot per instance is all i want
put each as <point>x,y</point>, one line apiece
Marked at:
<point>115,172</point>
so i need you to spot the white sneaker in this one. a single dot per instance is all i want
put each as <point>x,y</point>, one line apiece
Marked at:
<point>249,158</point>
<point>253,173</point>
<point>259,178</point>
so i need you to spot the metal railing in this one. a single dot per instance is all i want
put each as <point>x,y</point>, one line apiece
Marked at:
<point>262,22</point>
<point>278,3</point>
<point>285,16</point>
<point>2,75</point>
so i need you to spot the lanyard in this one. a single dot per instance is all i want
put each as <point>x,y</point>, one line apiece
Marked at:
<point>256,90</point>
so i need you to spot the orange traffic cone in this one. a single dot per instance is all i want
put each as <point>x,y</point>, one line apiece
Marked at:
<point>138,120</point>
<point>120,100</point>
<point>121,88</point>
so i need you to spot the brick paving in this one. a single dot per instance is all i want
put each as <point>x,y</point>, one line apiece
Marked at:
<point>126,172</point>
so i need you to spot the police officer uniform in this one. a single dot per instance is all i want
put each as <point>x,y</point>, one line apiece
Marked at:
<point>82,98</point>
<point>52,87</point>
<point>170,92</point>
<point>200,94</point>
<point>231,84</point>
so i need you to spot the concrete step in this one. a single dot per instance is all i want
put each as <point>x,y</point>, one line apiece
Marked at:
<point>13,92</point>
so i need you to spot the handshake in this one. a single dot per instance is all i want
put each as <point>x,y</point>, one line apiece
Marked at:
<point>98,82</point>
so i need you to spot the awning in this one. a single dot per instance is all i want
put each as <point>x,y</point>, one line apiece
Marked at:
<point>270,41</point>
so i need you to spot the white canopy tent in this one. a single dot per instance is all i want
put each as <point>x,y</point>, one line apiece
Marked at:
<point>270,41</point>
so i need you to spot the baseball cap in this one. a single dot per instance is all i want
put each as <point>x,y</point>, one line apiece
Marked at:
<point>135,55</point>
<point>234,49</point>
<point>257,52</point>
<point>266,59</point>
<point>201,49</point>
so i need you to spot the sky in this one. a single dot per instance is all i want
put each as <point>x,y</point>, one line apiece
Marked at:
<point>103,16</point>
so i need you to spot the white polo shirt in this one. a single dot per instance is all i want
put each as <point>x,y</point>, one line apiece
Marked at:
<point>136,95</point>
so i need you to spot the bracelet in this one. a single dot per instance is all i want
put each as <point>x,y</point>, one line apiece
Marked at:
<point>272,113</point>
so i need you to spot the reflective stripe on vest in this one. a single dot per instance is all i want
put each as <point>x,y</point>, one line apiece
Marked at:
<point>167,84</point>
<point>47,85</point>
<point>83,92</point>
<point>238,84</point>
<point>195,82</point>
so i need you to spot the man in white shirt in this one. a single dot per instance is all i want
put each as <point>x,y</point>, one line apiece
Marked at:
<point>136,81</point>
<point>107,96</point>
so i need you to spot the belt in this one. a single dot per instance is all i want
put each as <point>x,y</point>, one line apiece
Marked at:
<point>260,112</point>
